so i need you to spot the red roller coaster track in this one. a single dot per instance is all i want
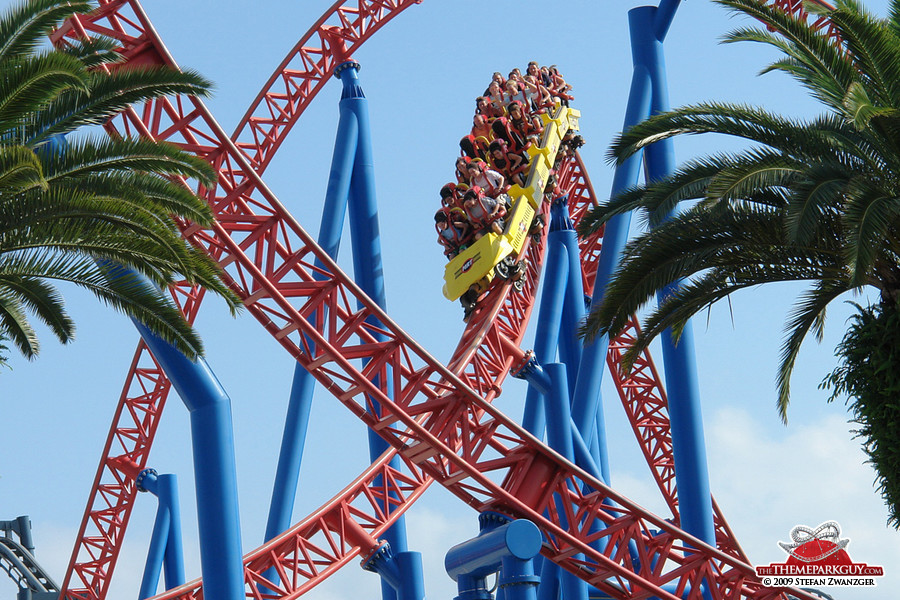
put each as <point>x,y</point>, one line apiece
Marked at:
<point>441,421</point>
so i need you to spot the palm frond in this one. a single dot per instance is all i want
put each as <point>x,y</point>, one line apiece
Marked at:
<point>874,51</point>
<point>88,157</point>
<point>893,17</point>
<point>29,86</point>
<point>711,287</point>
<point>869,217</point>
<point>42,300</point>
<point>817,194</point>
<point>20,170</point>
<point>108,94</point>
<point>153,192</point>
<point>117,287</point>
<point>791,137</point>
<point>750,172</point>
<point>129,294</point>
<point>70,203</point>
<point>14,325</point>
<point>685,245</point>
<point>828,89</point>
<point>93,52</point>
<point>827,66</point>
<point>808,314</point>
<point>24,26</point>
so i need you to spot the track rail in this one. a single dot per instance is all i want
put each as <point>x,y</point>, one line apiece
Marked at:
<point>441,420</point>
<point>22,567</point>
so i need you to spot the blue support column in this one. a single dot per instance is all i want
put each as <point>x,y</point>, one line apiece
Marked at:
<point>560,438</point>
<point>563,278</point>
<point>403,572</point>
<point>214,467</point>
<point>367,265</point>
<point>368,270</point>
<point>290,458</point>
<point>297,421</point>
<point>173,560</point>
<point>563,233</point>
<point>351,184</point>
<point>546,336</point>
<point>166,551</point>
<point>682,386</point>
<point>158,540</point>
<point>586,406</point>
<point>571,353</point>
<point>212,437</point>
<point>365,235</point>
<point>573,309</point>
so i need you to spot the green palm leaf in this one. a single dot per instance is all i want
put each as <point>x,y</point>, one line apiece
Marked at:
<point>24,27</point>
<point>103,214</point>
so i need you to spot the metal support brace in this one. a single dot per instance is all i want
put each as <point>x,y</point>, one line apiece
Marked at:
<point>403,571</point>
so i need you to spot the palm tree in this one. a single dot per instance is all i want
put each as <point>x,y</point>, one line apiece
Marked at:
<point>815,201</point>
<point>80,207</point>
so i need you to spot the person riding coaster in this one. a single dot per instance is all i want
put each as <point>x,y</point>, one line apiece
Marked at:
<point>485,212</point>
<point>513,165</point>
<point>451,195</point>
<point>525,125</point>
<point>490,181</point>
<point>503,130</point>
<point>453,229</point>
<point>474,146</point>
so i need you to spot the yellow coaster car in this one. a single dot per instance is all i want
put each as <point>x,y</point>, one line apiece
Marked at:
<point>496,254</point>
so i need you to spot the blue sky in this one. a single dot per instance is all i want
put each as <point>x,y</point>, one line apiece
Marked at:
<point>421,74</point>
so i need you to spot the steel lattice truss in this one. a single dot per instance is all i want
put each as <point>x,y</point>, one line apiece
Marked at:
<point>440,420</point>
<point>797,9</point>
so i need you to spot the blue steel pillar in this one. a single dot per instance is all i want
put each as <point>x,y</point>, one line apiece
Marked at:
<point>682,387</point>
<point>562,232</point>
<point>165,543</point>
<point>290,458</point>
<point>560,438</point>
<point>297,420</point>
<point>547,333</point>
<point>293,441</point>
<point>365,236</point>
<point>590,421</point>
<point>649,26</point>
<point>593,359</point>
<point>403,571</point>
<point>367,265</point>
<point>214,467</point>
<point>212,442</point>
<point>351,184</point>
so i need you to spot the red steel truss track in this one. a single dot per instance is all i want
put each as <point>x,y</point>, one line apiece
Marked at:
<point>440,421</point>
<point>796,8</point>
